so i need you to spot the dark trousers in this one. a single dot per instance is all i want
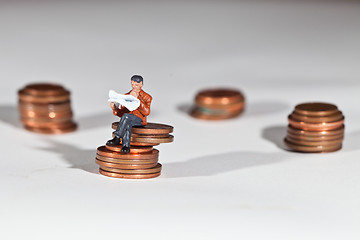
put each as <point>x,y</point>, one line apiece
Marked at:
<point>123,131</point>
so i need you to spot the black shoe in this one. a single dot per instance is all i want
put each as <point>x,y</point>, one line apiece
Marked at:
<point>125,149</point>
<point>113,142</point>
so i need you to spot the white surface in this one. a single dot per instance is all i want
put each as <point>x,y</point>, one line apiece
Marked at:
<point>221,180</point>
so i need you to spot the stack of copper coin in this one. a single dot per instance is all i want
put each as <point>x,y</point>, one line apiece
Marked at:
<point>315,128</point>
<point>142,161</point>
<point>45,108</point>
<point>218,104</point>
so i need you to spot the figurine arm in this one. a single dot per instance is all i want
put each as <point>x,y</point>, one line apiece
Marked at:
<point>144,107</point>
<point>117,111</point>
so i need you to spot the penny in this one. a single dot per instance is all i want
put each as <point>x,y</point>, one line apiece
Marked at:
<point>150,135</point>
<point>149,128</point>
<point>48,125</point>
<point>47,114</point>
<point>153,140</point>
<point>320,138</point>
<point>41,89</point>
<point>219,96</point>
<point>313,143</point>
<point>129,176</point>
<point>141,144</point>
<point>330,118</point>
<point>133,143</point>
<point>63,106</point>
<point>315,126</point>
<point>337,131</point>
<point>229,107</point>
<point>103,151</point>
<point>52,130</point>
<point>218,104</point>
<point>155,169</point>
<point>125,166</point>
<point>126,161</point>
<point>45,108</point>
<point>312,149</point>
<point>38,119</point>
<point>133,149</point>
<point>199,115</point>
<point>217,111</point>
<point>43,99</point>
<point>316,109</point>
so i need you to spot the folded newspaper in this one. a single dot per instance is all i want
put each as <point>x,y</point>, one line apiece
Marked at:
<point>128,101</point>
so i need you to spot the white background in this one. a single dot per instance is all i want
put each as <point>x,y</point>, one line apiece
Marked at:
<point>220,180</point>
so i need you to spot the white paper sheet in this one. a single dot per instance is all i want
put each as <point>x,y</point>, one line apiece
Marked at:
<point>128,101</point>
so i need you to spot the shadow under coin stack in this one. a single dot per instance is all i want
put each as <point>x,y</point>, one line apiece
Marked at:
<point>218,104</point>
<point>315,128</point>
<point>142,161</point>
<point>45,108</point>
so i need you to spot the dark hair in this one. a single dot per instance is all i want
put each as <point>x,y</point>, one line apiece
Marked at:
<point>137,78</point>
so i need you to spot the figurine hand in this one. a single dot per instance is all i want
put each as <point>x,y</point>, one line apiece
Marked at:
<point>113,106</point>
<point>135,94</point>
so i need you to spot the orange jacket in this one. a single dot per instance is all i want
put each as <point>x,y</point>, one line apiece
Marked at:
<point>142,111</point>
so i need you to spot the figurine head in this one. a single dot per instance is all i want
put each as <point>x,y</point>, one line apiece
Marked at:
<point>137,82</point>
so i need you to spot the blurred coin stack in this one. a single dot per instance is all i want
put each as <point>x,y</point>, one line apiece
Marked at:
<point>142,161</point>
<point>315,128</point>
<point>218,104</point>
<point>46,108</point>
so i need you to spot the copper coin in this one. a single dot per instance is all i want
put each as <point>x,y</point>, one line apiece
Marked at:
<point>331,118</point>
<point>138,144</point>
<point>196,114</point>
<point>150,135</point>
<point>149,128</point>
<point>49,115</point>
<point>155,169</point>
<point>48,125</point>
<point>153,128</point>
<point>125,166</point>
<point>43,99</point>
<point>44,89</point>
<point>153,140</point>
<point>239,106</point>
<point>316,126</point>
<point>133,149</point>
<point>43,107</point>
<point>314,143</point>
<point>316,109</point>
<point>103,151</point>
<point>312,149</point>
<point>219,96</point>
<point>217,111</point>
<point>129,176</point>
<point>126,161</point>
<point>333,132</point>
<point>38,119</point>
<point>52,130</point>
<point>46,122</point>
<point>319,138</point>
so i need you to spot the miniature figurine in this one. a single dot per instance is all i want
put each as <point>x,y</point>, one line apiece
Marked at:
<point>136,116</point>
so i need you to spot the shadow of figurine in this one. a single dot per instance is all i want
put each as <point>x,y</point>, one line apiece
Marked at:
<point>220,163</point>
<point>78,158</point>
<point>10,115</point>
